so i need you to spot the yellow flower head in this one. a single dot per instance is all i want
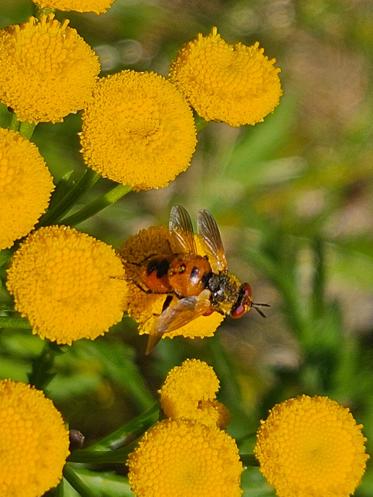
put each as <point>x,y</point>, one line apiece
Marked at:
<point>189,392</point>
<point>67,284</point>
<point>34,442</point>
<point>145,307</point>
<point>311,446</point>
<point>138,130</point>
<point>25,185</point>
<point>97,6</point>
<point>46,70</point>
<point>235,84</point>
<point>182,458</point>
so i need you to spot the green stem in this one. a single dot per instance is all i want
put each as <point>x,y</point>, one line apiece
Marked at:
<point>134,427</point>
<point>14,123</point>
<point>41,372</point>
<point>76,482</point>
<point>249,460</point>
<point>103,456</point>
<point>14,322</point>
<point>84,183</point>
<point>27,129</point>
<point>97,205</point>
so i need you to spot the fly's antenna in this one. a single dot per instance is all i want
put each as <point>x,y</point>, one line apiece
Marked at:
<point>257,306</point>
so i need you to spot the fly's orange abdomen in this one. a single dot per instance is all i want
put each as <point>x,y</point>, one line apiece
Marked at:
<point>187,274</point>
<point>154,274</point>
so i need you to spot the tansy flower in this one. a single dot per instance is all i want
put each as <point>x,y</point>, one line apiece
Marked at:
<point>97,6</point>
<point>236,84</point>
<point>138,130</point>
<point>311,446</point>
<point>33,441</point>
<point>189,392</point>
<point>182,458</point>
<point>25,185</point>
<point>68,284</point>
<point>145,307</point>
<point>46,70</point>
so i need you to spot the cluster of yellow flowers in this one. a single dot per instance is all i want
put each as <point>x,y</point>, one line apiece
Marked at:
<point>307,446</point>
<point>188,453</point>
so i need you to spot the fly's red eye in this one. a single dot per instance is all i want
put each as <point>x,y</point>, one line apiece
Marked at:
<point>238,311</point>
<point>247,292</point>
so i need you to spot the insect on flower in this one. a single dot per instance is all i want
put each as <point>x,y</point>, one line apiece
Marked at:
<point>202,284</point>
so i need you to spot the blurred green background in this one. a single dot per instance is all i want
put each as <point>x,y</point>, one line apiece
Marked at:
<point>293,199</point>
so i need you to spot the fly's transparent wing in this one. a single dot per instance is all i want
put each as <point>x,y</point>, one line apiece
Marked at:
<point>181,231</point>
<point>211,240</point>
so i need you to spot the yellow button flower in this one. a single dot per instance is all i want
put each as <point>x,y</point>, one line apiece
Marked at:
<point>25,185</point>
<point>97,6</point>
<point>236,84</point>
<point>145,307</point>
<point>189,392</point>
<point>68,284</point>
<point>311,446</point>
<point>138,130</point>
<point>181,458</point>
<point>34,442</point>
<point>47,70</point>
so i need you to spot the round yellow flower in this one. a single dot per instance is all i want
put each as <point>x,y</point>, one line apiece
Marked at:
<point>182,458</point>
<point>189,392</point>
<point>34,442</point>
<point>145,307</point>
<point>97,6</point>
<point>311,446</point>
<point>25,185</point>
<point>236,84</point>
<point>138,130</point>
<point>67,284</point>
<point>46,70</point>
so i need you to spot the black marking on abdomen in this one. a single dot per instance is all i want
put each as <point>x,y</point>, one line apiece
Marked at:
<point>161,266</point>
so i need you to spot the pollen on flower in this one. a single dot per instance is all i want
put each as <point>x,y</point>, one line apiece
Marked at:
<point>145,307</point>
<point>189,392</point>
<point>236,84</point>
<point>34,442</point>
<point>97,6</point>
<point>182,458</point>
<point>311,446</point>
<point>67,284</point>
<point>47,70</point>
<point>138,130</point>
<point>25,185</point>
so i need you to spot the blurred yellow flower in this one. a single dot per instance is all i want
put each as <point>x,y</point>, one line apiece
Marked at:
<point>145,307</point>
<point>46,70</point>
<point>236,84</point>
<point>189,392</point>
<point>34,442</point>
<point>25,185</point>
<point>138,130</point>
<point>182,458</point>
<point>97,6</point>
<point>310,446</point>
<point>68,284</point>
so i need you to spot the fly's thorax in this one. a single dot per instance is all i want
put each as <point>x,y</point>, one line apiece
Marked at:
<point>187,274</point>
<point>224,288</point>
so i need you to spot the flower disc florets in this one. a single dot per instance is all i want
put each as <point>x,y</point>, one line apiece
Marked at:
<point>189,392</point>
<point>25,185</point>
<point>311,446</point>
<point>138,130</point>
<point>97,6</point>
<point>68,284</point>
<point>235,84</point>
<point>46,70</point>
<point>144,307</point>
<point>181,458</point>
<point>34,442</point>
